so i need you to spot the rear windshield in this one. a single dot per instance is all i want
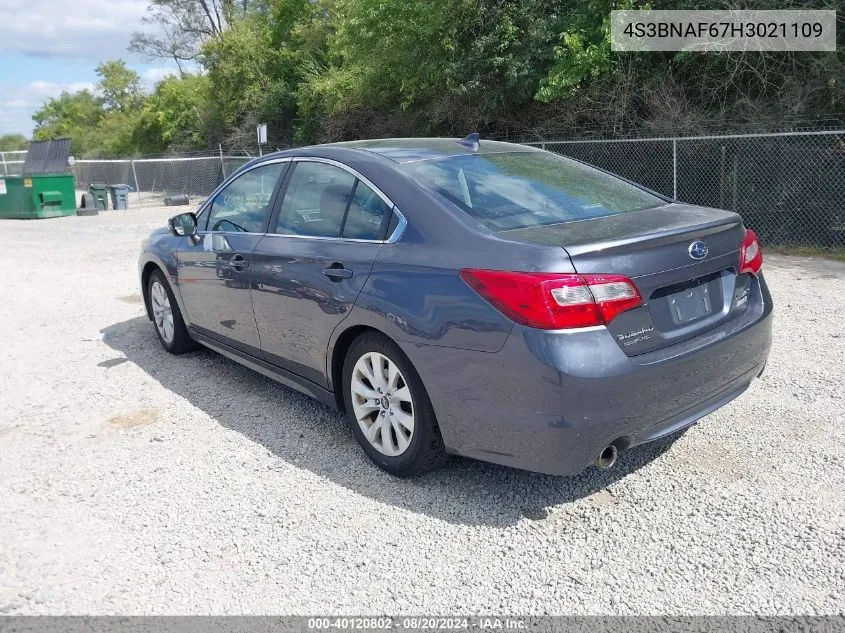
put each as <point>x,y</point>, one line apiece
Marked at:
<point>515,190</point>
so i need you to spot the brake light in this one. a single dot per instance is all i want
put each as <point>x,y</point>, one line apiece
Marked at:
<point>553,301</point>
<point>750,255</point>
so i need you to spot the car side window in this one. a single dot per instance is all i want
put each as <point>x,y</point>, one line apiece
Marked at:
<point>366,214</point>
<point>244,204</point>
<point>315,201</point>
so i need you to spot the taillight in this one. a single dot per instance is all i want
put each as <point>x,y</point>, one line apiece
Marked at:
<point>750,255</point>
<point>553,301</point>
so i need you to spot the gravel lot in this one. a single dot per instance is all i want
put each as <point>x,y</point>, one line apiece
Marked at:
<point>138,482</point>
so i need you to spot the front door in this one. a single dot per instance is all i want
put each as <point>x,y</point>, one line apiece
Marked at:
<point>214,271</point>
<point>313,263</point>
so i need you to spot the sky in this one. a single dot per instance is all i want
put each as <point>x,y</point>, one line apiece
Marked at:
<point>47,46</point>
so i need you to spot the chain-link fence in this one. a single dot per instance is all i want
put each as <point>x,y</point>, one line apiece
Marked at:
<point>789,187</point>
<point>155,179</point>
<point>11,163</point>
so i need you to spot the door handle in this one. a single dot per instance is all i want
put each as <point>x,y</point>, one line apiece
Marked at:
<point>336,272</point>
<point>238,262</point>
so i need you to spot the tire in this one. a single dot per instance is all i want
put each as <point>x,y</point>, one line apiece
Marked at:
<point>174,338</point>
<point>406,456</point>
<point>87,202</point>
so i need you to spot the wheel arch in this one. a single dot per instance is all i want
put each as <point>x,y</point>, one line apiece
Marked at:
<point>338,357</point>
<point>146,272</point>
<point>168,271</point>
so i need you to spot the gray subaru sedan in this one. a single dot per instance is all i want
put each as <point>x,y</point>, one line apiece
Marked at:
<point>469,297</point>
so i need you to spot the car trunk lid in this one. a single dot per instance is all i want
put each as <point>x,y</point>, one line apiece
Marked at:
<point>660,250</point>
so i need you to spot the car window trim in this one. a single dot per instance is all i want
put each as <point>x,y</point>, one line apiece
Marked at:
<point>391,239</point>
<point>282,188</point>
<point>206,205</point>
<point>385,221</point>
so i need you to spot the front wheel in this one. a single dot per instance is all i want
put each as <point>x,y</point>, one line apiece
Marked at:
<point>389,409</point>
<point>169,325</point>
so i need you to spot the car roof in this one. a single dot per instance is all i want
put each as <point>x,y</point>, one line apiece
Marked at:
<point>406,150</point>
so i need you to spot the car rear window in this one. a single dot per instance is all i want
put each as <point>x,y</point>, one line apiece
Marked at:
<point>515,190</point>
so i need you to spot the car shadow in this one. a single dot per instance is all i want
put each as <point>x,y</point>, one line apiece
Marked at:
<point>463,492</point>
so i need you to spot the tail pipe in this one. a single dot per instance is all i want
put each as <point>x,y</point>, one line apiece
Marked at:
<point>607,458</point>
<point>610,453</point>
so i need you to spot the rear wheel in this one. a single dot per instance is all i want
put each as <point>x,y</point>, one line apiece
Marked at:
<point>389,409</point>
<point>167,318</point>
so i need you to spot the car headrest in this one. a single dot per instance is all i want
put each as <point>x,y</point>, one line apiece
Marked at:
<point>333,201</point>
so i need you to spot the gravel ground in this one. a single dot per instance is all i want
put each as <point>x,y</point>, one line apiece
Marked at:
<point>138,482</point>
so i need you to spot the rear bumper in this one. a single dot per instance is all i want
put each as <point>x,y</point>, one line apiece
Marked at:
<point>551,401</point>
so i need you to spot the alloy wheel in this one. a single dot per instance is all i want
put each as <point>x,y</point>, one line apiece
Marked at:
<point>162,311</point>
<point>382,404</point>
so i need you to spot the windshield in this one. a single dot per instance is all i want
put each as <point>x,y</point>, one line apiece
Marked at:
<point>516,190</point>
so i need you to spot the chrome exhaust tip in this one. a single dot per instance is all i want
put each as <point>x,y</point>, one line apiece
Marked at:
<point>607,458</point>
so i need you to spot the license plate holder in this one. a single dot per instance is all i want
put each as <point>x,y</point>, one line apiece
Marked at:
<point>691,304</point>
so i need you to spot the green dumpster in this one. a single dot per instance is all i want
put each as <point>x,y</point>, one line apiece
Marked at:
<point>100,191</point>
<point>46,188</point>
<point>37,196</point>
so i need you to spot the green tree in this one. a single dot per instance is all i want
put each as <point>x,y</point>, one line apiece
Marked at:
<point>99,123</point>
<point>178,115</point>
<point>258,64</point>
<point>70,114</point>
<point>12,142</point>
<point>683,92</point>
<point>119,87</point>
<point>449,64</point>
<point>115,134</point>
<point>583,52</point>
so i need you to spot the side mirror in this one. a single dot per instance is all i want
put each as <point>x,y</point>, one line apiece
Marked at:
<point>183,224</point>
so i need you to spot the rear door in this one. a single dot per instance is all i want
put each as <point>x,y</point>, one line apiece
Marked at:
<point>215,271</point>
<point>311,266</point>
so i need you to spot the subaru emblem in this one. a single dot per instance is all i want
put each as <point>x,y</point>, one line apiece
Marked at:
<point>698,250</point>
